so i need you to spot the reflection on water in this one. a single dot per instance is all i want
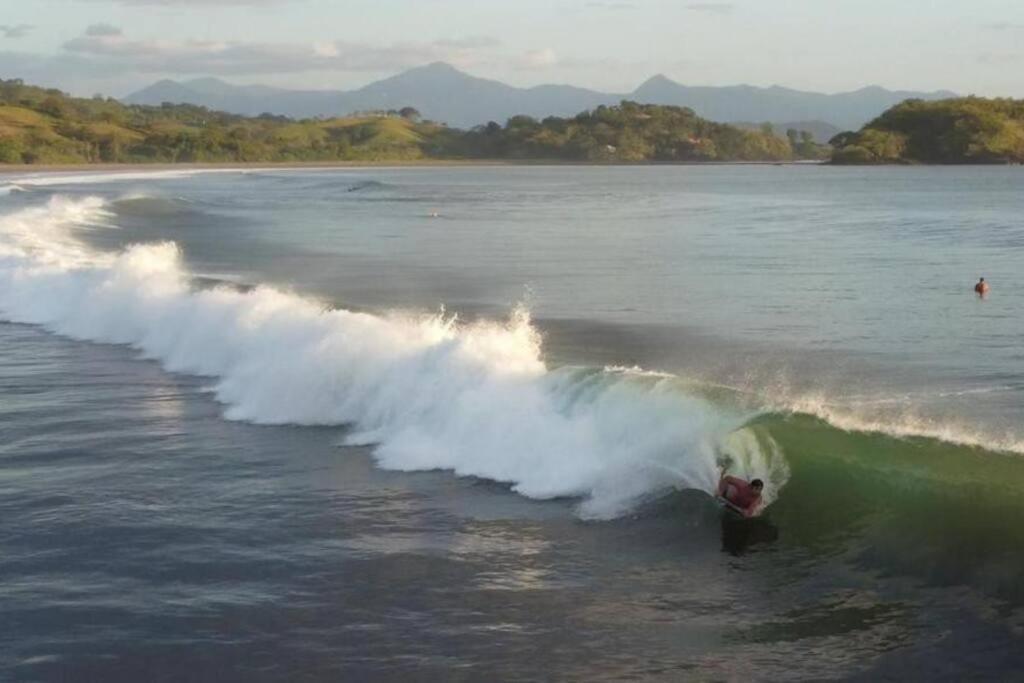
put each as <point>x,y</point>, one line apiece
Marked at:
<point>740,535</point>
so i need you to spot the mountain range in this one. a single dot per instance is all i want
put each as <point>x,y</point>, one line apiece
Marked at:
<point>442,93</point>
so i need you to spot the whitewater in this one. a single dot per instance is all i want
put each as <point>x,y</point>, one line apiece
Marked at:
<point>427,391</point>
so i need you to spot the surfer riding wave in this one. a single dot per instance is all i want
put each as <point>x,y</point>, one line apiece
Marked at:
<point>739,495</point>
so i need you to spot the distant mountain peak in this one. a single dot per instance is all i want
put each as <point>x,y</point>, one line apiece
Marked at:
<point>207,81</point>
<point>445,93</point>
<point>438,67</point>
<point>433,70</point>
<point>164,90</point>
<point>657,80</point>
<point>871,89</point>
<point>434,74</point>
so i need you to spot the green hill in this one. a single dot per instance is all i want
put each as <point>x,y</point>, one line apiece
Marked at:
<point>631,132</point>
<point>969,130</point>
<point>46,126</point>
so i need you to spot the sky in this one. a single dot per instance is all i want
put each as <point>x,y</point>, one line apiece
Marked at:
<point>114,47</point>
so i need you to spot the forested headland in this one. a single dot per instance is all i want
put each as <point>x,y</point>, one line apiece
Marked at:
<point>46,126</point>
<point>967,130</point>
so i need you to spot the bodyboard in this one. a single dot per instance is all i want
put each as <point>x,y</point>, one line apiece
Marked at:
<point>728,505</point>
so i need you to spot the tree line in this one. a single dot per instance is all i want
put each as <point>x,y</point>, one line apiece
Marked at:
<point>632,132</point>
<point>966,130</point>
<point>40,125</point>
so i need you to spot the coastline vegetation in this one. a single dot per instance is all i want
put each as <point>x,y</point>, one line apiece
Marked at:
<point>967,130</point>
<point>46,126</point>
<point>632,132</point>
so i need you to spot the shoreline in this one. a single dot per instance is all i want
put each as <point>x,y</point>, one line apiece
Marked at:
<point>19,169</point>
<point>7,169</point>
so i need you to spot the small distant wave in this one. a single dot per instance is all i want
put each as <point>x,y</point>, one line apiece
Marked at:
<point>426,391</point>
<point>637,371</point>
<point>318,179</point>
<point>150,205</point>
<point>91,178</point>
<point>365,185</point>
<point>8,189</point>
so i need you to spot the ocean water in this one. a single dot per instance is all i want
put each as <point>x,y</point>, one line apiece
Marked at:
<point>462,423</point>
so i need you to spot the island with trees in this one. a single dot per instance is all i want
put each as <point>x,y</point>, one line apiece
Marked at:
<point>967,130</point>
<point>46,126</point>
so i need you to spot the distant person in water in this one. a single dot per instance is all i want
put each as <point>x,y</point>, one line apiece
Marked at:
<point>744,495</point>
<point>982,287</point>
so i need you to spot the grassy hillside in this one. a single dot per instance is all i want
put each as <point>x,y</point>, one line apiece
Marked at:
<point>46,126</point>
<point>955,131</point>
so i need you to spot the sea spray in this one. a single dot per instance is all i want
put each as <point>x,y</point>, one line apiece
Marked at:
<point>427,391</point>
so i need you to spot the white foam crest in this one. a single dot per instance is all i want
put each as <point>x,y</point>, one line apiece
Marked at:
<point>903,415</point>
<point>59,178</point>
<point>425,390</point>
<point>636,371</point>
<point>50,179</point>
<point>904,424</point>
<point>753,454</point>
<point>42,234</point>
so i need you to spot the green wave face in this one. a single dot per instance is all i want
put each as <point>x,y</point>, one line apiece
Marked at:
<point>940,513</point>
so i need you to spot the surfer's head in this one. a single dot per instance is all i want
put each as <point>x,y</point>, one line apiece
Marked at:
<point>757,485</point>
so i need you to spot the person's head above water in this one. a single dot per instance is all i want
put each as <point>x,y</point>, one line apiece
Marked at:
<point>757,485</point>
<point>981,279</point>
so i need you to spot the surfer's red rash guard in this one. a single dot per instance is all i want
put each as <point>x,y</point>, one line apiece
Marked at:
<point>741,495</point>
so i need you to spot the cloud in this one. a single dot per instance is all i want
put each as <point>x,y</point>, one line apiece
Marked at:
<point>326,49</point>
<point>469,42</point>
<point>537,59</point>
<point>998,58</point>
<point>105,47</point>
<point>194,3</point>
<point>611,4</point>
<point>711,7</point>
<point>15,31</point>
<point>103,53</point>
<point>707,7</point>
<point>1004,26</point>
<point>100,30</point>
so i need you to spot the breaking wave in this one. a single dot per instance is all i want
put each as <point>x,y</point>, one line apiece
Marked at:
<point>426,391</point>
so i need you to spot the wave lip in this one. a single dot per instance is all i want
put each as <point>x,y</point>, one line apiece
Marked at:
<point>899,415</point>
<point>427,391</point>
<point>906,426</point>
